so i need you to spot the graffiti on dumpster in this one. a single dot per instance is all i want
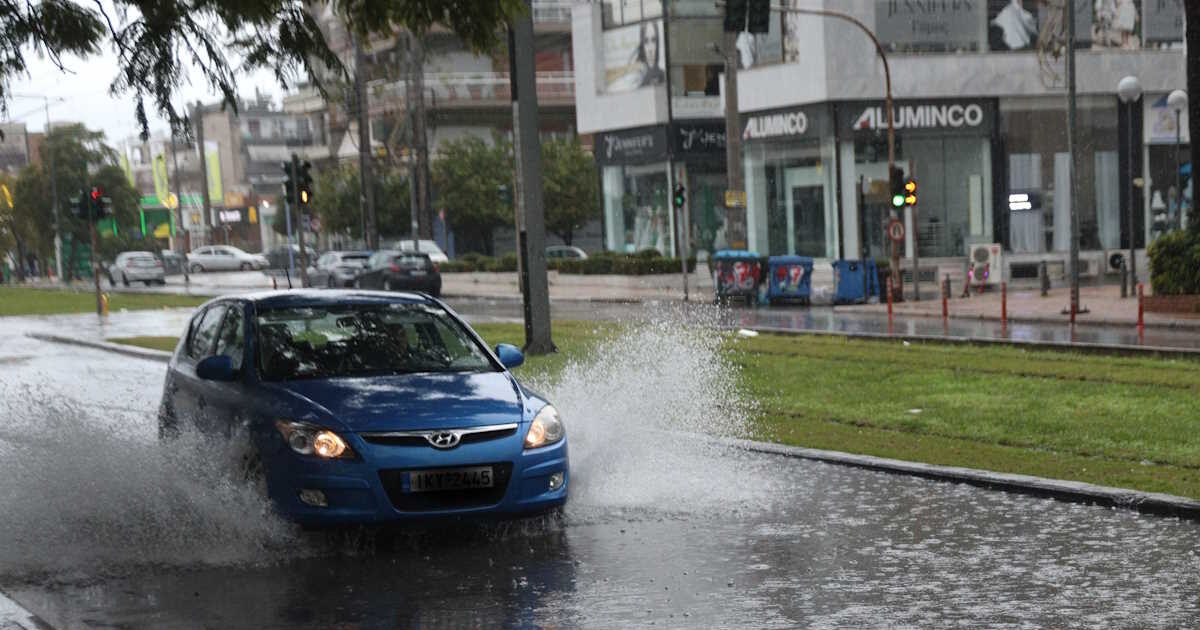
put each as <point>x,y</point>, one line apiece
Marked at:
<point>740,276</point>
<point>790,278</point>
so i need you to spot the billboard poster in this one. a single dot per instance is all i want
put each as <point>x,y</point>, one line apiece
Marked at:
<point>1012,25</point>
<point>633,57</point>
<point>950,24</point>
<point>1164,21</point>
<point>1117,24</point>
<point>212,158</point>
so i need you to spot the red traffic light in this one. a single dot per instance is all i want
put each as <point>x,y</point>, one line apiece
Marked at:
<point>97,193</point>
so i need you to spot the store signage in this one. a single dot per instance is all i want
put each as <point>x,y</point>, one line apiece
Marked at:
<point>960,117</point>
<point>954,23</point>
<point>693,138</point>
<point>230,216</point>
<point>786,124</point>
<point>645,144</point>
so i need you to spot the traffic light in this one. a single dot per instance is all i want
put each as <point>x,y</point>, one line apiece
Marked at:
<point>735,16</point>
<point>680,197</point>
<point>101,205</point>
<point>898,191</point>
<point>77,206</point>
<point>910,192</point>
<point>304,180</point>
<point>289,181</point>
<point>758,16</point>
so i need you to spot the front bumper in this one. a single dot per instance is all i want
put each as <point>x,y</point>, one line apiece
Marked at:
<point>140,275</point>
<point>364,490</point>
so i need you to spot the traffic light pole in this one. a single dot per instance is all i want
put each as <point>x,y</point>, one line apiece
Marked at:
<point>302,222</point>
<point>92,212</point>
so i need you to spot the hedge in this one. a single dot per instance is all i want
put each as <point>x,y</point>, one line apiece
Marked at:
<point>639,264</point>
<point>1175,263</point>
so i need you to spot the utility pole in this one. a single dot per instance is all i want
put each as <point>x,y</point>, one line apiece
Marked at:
<point>528,153</point>
<point>735,217</point>
<point>420,141</point>
<point>677,210</point>
<point>303,221</point>
<point>53,198</point>
<point>186,241</point>
<point>365,178</point>
<point>1074,307</point>
<point>198,121</point>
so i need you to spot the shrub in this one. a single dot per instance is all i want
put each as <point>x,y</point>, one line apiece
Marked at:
<point>1175,263</point>
<point>455,266</point>
<point>648,253</point>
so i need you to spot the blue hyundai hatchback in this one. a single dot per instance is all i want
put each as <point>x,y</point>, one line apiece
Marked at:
<point>365,407</point>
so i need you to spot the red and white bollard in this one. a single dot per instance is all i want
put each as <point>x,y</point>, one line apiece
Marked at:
<point>889,298</point>
<point>1003,304</point>
<point>1141,308</point>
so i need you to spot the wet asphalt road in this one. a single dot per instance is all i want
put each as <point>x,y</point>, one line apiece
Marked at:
<point>700,537</point>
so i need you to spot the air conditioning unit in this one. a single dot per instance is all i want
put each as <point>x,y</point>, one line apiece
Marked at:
<point>985,264</point>
<point>1113,259</point>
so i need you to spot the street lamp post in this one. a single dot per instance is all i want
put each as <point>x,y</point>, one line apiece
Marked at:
<point>1129,90</point>
<point>1178,101</point>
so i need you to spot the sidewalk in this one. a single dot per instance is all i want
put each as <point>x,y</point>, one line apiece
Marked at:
<point>1104,305</point>
<point>594,288</point>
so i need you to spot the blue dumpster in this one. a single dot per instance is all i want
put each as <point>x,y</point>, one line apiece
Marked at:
<point>736,274</point>
<point>848,281</point>
<point>790,278</point>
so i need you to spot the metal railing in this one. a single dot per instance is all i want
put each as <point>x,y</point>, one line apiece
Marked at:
<point>551,11</point>
<point>449,89</point>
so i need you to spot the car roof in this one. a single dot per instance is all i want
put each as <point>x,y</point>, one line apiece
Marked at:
<point>294,298</point>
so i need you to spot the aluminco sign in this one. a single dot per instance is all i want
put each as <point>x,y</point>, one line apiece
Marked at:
<point>774,125</point>
<point>953,116</point>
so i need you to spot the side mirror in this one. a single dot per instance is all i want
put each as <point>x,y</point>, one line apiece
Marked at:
<point>218,368</point>
<point>510,355</point>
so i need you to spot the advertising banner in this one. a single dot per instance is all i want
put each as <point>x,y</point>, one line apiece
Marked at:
<point>212,158</point>
<point>161,189</point>
<point>946,23</point>
<point>631,146</point>
<point>633,57</point>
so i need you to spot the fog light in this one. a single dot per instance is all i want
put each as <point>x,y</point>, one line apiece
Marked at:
<point>556,481</point>
<point>315,498</point>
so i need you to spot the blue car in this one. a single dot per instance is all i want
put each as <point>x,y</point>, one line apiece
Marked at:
<point>366,407</point>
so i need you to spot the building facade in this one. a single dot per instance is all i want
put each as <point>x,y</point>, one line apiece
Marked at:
<point>979,116</point>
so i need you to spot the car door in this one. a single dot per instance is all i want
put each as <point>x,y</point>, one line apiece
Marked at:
<point>225,259</point>
<point>371,278</point>
<point>225,400</point>
<point>189,400</point>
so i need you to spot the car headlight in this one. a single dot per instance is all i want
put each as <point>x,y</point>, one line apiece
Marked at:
<point>545,429</point>
<point>310,439</point>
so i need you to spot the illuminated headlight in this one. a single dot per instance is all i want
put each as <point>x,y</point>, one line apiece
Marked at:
<point>545,429</point>
<point>309,439</point>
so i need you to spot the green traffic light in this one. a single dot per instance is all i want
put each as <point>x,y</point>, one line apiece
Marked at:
<point>898,201</point>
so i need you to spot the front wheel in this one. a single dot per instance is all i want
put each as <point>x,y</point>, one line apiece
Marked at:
<point>247,266</point>
<point>124,280</point>
<point>196,268</point>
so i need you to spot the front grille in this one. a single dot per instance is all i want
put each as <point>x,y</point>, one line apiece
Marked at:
<point>448,499</point>
<point>384,439</point>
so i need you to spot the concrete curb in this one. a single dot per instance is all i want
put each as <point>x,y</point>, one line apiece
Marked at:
<point>16,617</point>
<point>1083,320</point>
<point>132,351</point>
<point>1069,491</point>
<point>1082,347</point>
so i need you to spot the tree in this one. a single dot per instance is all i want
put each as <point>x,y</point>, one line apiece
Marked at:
<point>335,201</point>
<point>1192,22</point>
<point>571,191</point>
<point>155,41</point>
<point>470,177</point>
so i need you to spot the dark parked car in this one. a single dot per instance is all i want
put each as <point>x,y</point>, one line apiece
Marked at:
<point>391,270</point>
<point>277,258</point>
<point>363,407</point>
<point>337,269</point>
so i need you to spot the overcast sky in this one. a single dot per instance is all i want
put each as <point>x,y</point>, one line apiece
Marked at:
<point>84,90</point>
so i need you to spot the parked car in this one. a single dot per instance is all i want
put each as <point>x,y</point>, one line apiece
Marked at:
<point>223,258</point>
<point>361,407</point>
<point>337,269</point>
<point>173,262</point>
<point>559,252</point>
<point>277,258</point>
<point>136,267</point>
<point>425,247</point>
<point>392,270</point>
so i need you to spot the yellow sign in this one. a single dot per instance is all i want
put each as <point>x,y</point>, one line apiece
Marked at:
<point>253,214</point>
<point>7,195</point>
<point>160,176</point>
<point>212,158</point>
<point>163,230</point>
<point>171,201</point>
<point>735,198</point>
<point>234,199</point>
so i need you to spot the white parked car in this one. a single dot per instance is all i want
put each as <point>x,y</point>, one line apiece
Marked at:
<point>425,247</point>
<point>559,252</point>
<point>223,258</point>
<point>136,267</point>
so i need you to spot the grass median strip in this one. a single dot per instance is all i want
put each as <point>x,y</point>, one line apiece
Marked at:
<point>30,301</point>
<point>1113,421</point>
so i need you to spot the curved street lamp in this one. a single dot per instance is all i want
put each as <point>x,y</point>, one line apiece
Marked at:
<point>1129,90</point>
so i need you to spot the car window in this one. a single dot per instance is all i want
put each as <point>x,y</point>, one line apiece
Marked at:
<point>354,259</point>
<point>203,333</point>
<point>224,252</point>
<point>231,341</point>
<point>412,261</point>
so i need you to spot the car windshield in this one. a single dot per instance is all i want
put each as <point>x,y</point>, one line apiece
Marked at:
<point>364,340</point>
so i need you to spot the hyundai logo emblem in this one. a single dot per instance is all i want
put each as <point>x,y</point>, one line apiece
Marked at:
<point>443,439</point>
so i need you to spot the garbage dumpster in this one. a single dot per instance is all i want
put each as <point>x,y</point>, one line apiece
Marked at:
<point>789,278</point>
<point>736,274</point>
<point>849,283</point>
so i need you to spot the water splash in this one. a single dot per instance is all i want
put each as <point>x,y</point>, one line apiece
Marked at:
<point>633,406</point>
<point>80,494</point>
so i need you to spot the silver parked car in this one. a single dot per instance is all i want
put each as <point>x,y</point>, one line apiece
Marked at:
<point>559,252</point>
<point>337,269</point>
<point>223,258</point>
<point>136,267</point>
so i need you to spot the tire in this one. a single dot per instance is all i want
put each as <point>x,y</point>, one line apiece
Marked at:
<point>161,283</point>
<point>124,279</point>
<point>148,282</point>
<point>112,282</point>
<point>196,268</point>
<point>246,266</point>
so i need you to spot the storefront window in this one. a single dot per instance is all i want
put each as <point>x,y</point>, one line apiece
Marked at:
<point>792,208</point>
<point>636,207</point>
<point>1038,166</point>
<point>706,207</point>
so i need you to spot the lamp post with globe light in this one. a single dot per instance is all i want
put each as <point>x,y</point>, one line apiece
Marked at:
<point>1129,90</point>
<point>1178,101</point>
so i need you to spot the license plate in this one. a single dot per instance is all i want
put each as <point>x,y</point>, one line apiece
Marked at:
<point>417,273</point>
<point>449,479</point>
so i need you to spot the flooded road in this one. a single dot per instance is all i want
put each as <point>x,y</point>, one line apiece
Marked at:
<point>101,528</point>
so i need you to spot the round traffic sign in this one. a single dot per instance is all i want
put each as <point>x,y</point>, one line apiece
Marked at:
<point>896,230</point>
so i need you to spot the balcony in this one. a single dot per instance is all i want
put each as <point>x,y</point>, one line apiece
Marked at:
<point>466,90</point>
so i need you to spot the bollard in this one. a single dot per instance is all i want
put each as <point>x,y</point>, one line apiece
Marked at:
<point>104,305</point>
<point>1044,276</point>
<point>274,283</point>
<point>945,293</point>
<point>1003,304</point>
<point>1073,308</point>
<point>1124,280</point>
<point>1141,308</point>
<point>889,290</point>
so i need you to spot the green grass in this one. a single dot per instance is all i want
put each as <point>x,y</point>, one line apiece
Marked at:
<point>1124,422</point>
<point>166,344</point>
<point>27,301</point>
